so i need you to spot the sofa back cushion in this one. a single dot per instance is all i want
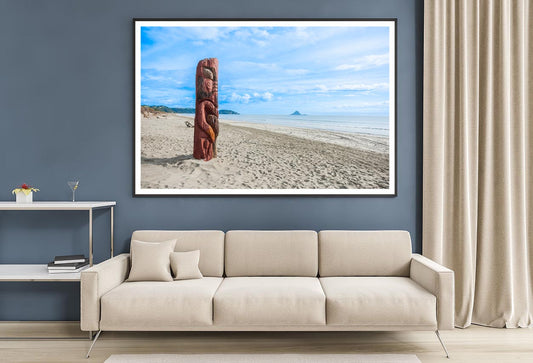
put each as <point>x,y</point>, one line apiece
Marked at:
<point>271,253</point>
<point>364,253</point>
<point>210,244</point>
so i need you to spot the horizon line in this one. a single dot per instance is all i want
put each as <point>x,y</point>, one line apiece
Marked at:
<point>278,114</point>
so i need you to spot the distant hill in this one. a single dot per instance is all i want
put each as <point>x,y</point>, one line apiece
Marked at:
<point>172,110</point>
<point>296,113</point>
<point>148,111</point>
<point>166,109</point>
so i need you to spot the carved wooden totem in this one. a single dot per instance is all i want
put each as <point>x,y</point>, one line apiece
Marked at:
<point>206,118</point>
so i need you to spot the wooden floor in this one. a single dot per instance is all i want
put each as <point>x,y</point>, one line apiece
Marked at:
<point>475,344</point>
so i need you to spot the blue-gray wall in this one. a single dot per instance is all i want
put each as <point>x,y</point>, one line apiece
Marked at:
<point>66,110</point>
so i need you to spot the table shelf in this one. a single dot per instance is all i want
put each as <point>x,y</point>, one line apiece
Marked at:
<point>87,206</point>
<point>55,205</point>
<point>34,272</point>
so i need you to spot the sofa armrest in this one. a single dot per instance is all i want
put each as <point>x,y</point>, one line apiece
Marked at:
<point>95,282</point>
<point>438,280</point>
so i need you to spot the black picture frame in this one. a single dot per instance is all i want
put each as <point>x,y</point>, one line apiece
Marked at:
<point>393,183</point>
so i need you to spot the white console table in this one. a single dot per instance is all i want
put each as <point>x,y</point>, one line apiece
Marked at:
<point>39,272</point>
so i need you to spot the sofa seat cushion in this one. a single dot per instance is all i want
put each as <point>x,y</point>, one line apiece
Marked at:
<point>386,301</point>
<point>151,305</point>
<point>270,301</point>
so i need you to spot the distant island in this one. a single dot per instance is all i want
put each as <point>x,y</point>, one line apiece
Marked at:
<point>296,113</point>
<point>153,109</point>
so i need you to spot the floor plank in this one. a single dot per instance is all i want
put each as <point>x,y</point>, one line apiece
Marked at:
<point>474,344</point>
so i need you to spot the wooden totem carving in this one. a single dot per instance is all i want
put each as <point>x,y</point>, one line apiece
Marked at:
<point>206,117</point>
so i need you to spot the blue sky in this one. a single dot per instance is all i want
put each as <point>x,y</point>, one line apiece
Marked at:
<point>271,70</point>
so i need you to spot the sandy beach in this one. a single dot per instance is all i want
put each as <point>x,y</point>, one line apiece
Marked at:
<point>258,156</point>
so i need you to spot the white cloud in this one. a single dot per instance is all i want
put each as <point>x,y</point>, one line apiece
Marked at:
<point>351,87</point>
<point>248,32</point>
<point>240,65</point>
<point>247,97</point>
<point>237,98</point>
<point>263,33</point>
<point>296,72</point>
<point>366,62</point>
<point>260,43</point>
<point>203,33</point>
<point>159,78</point>
<point>360,87</point>
<point>364,104</point>
<point>267,96</point>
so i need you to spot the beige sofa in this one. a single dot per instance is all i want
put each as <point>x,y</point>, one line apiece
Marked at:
<point>276,281</point>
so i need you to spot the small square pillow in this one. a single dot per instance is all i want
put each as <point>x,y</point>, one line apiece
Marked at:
<point>150,261</point>
<point>185,265</point>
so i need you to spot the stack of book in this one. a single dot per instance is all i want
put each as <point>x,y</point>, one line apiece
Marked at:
<point>68,264</point>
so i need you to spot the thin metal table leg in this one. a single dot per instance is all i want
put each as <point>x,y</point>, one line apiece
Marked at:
<point>112,229</point>
<point>90,237</point>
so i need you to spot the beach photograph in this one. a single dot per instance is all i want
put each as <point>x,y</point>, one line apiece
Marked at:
<point>265,107</point>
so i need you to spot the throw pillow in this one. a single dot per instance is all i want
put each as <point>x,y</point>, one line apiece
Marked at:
<point>150,261</point>
<point>185,265</point>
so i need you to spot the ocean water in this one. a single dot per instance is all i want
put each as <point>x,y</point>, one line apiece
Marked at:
<point>375,125</point>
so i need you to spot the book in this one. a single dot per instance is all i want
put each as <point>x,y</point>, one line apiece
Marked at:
<point>59,260</point>
<point>67,266</point>
<point>68,271</point>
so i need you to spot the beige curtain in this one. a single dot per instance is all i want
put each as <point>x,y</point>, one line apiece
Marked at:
<point>478,155</point>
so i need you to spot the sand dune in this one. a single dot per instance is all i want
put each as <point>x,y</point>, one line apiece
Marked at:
<point>255,156</point>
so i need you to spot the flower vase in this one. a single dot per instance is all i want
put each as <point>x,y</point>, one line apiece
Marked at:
<point>24,198</point>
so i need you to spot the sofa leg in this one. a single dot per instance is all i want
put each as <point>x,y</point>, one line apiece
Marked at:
<point>441,343</point>
<point>94,341</point>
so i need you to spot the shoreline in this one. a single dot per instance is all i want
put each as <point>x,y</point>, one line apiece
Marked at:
<point>360,140</point>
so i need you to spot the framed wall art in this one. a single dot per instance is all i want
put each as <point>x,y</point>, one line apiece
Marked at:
<point>272,107</point>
